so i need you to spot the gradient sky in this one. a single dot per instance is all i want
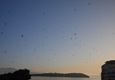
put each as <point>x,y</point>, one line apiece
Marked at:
<point>57,35</point>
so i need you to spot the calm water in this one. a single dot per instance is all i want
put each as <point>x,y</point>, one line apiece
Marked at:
<point>64,78</point>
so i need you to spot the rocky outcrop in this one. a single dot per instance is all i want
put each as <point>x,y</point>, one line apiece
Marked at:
<point>22,74</point>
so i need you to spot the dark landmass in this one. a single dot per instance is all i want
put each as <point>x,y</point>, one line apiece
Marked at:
<point>75,75</point>
<point>22,74</point>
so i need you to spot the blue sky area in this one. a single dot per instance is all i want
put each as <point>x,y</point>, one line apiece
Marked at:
<point>57,35</point>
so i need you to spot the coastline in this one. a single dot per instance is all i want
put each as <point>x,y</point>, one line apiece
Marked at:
<point>72,75</point>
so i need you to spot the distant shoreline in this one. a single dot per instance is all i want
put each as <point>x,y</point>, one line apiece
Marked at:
<point>73,75</point>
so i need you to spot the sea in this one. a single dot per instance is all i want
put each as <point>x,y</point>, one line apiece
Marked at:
<point>65,78</point>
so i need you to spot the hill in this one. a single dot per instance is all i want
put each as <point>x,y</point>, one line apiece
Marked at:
<point>75,75</point>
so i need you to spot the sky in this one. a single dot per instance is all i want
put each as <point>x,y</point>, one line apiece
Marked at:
<point>57,35</point>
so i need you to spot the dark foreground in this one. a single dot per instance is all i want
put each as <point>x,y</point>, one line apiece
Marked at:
<point>22,74</point>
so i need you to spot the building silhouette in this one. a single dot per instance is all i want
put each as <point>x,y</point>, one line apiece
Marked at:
<point>108,70</point>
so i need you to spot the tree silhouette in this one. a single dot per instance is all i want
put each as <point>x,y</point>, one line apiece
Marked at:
<point>22,74</point>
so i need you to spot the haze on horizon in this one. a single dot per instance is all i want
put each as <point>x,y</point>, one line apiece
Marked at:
<point>57,35</point>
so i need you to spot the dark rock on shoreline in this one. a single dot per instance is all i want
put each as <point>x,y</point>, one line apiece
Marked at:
<point>22,74</point>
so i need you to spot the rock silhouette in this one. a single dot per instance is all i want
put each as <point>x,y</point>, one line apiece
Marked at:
<point>22,74</point>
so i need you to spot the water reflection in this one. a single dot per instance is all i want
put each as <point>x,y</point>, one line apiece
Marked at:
<point>64,78</point>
